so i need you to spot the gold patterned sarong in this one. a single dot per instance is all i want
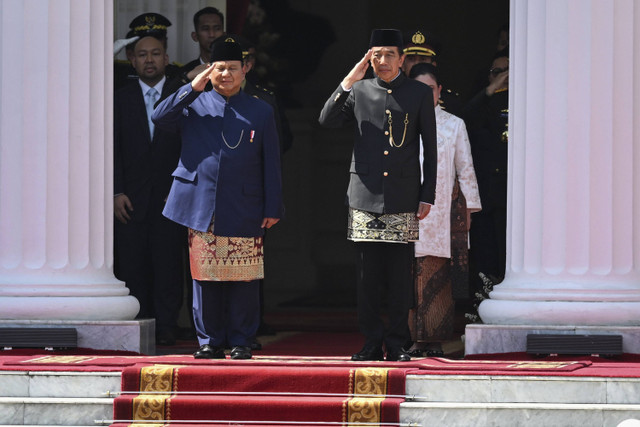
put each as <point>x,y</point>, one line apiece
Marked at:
<point>396,228</point>
<point>219,258</point>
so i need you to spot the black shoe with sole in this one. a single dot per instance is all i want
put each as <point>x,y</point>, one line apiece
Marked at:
<point>368,353</point>
<point>241,352</point>
<point>397,355</point>
<point>207,351</point>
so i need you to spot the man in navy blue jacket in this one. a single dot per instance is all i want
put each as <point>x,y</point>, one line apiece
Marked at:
<point>227,189</point>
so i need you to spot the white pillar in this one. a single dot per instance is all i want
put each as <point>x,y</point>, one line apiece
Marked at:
<point>573,234</point>
<point>56,162</point>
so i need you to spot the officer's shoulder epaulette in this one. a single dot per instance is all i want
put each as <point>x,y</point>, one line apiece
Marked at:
<point>121,61</point>
<point>264,89</point>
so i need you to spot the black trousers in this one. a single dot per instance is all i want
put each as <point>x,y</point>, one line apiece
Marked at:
<point>381,266</point>
<point>150,263</point>
<point>488,239</point>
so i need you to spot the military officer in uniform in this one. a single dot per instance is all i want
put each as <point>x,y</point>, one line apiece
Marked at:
<point>487,117</point>
<point>422,47</point>
<point>392,116</point>
<point>147,24</point>
<point>282,124</point>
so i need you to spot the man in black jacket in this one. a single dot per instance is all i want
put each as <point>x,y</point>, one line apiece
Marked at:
<point>487,118</point>
<point>393,115</point>
<point>148,245</point>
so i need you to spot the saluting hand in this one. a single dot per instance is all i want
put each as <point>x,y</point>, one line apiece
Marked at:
<point>197,70</point>
<point>501,81</point>
<point>357,72</point>
<point>201,80</point>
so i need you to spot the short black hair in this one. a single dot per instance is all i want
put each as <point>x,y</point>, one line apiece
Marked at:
<point>425,68</point>
<point>207,11</point>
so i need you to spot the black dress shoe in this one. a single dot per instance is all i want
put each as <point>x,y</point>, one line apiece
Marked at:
<point>368,353</point>
<point>241,352</point>
<point>397,355</point>
<point>209,352</point>
<point>416,352</point>
<point>433,352</point>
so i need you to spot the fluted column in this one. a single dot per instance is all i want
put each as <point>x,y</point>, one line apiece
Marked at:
<point>573,233</point>
<point>56,162</point>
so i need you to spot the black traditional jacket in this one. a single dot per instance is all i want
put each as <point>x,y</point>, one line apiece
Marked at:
<point>391,119</point>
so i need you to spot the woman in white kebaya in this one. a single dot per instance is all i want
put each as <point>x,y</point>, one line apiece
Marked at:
<point>441,252</point>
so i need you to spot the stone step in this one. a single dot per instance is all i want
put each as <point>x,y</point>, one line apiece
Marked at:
<point>54,410</point>
<point>457,414</point>
<point>83,398</point>
<point>58,384</point>
<point>523,389</point>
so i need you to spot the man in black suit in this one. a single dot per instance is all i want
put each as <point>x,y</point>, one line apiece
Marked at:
<point>393,116</point>
<point>148,245</point>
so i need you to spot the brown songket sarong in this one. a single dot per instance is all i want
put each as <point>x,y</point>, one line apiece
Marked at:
<point>218,258</point>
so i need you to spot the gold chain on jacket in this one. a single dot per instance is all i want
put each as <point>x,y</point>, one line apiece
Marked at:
<point>238,143</point>
<point>392,142</point>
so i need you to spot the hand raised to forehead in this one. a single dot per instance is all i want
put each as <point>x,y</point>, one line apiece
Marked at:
<point>498,82</point>
<point>358,71</point>
<point>201,80</point>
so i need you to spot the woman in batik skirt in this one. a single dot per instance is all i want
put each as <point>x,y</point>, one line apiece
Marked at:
<point>441,252</point>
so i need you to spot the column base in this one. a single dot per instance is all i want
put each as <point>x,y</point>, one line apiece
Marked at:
<point>487,339</point>
<point>548,311</point>
<point>76,308</point>
<point>128,335</point>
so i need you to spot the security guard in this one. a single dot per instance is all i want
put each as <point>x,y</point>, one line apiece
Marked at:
<point>393,115</point>
<point>422,47</point>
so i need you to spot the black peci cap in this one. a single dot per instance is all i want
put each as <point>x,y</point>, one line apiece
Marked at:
<point>226,48</point>
<point>386,37</point>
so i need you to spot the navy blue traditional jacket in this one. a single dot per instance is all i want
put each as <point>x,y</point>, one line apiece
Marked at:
<point>229,165</point>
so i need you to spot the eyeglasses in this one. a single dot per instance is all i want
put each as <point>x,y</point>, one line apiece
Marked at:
<point>496,71</point>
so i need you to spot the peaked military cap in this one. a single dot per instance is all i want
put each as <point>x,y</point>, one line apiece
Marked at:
<point>420,43</point>
<point>150,24</point>
<point>226,48</point>
<point>386,37</point>
<point>245,44</point>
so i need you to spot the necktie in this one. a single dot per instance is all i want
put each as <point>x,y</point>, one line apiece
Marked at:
<point>150,99</point>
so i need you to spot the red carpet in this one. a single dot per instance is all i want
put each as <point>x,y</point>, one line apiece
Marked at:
<point>626,365</point>
<point>288,389</point>
<point>284,393</point>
